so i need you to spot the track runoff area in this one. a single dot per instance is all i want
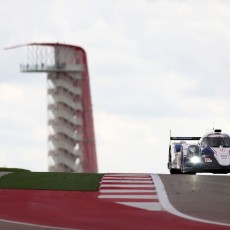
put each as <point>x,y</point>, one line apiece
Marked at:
<point>123,201</point>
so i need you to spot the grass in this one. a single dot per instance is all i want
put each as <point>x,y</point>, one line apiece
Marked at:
<point>51,181</point>
<point>13,170</point>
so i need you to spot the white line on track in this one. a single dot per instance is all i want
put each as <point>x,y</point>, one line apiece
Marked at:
<point>128,185</point>
<point>137,191</point>
<point>129,181</point>
<point>127,191</point>
<point>150,206</point>
<point>163,198</point>
<point>125,178</point>
<point>118,196</point>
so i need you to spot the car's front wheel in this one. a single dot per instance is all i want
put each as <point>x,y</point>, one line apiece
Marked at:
<point>174,171</point>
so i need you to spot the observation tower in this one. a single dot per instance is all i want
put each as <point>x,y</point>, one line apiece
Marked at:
<point>71,140</point>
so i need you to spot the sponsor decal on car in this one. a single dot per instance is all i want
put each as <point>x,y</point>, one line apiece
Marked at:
<point>207,159</point>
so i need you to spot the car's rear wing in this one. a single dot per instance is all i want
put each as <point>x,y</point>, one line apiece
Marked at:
<point>184,138</point>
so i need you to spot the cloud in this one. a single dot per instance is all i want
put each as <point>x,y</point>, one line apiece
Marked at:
<point>23,125</point>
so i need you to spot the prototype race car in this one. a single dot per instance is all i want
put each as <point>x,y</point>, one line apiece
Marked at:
<point>211,154</point>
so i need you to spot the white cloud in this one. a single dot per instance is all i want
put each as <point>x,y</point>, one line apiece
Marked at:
<point>126,142</point>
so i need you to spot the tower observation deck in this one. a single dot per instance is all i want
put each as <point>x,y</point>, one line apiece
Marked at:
<point>71,141</point>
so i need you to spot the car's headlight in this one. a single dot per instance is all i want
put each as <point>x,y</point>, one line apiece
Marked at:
<point>195,159</point>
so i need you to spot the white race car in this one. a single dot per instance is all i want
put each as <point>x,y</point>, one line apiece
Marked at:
<point>210,154</point>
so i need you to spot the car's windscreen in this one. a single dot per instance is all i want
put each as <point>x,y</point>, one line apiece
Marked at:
<point>218,141</point>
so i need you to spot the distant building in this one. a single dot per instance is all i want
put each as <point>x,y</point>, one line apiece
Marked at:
<point>71,138</point>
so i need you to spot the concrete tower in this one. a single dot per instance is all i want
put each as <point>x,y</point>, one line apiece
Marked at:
<point>71,138</point>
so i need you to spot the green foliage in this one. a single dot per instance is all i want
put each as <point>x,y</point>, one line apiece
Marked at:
<point>51,181</point>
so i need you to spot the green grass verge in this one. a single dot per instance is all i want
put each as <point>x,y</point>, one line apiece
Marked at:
<point>13,170</point>
<point>51,181</point>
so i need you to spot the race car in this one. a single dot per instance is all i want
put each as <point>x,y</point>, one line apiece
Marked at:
<point>211,154</point>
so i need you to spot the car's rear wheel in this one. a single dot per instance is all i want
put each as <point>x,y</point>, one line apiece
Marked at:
<point>171,170</point>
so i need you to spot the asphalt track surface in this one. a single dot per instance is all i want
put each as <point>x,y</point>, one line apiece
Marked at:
<point>206,197</point>
<point>200,196</point>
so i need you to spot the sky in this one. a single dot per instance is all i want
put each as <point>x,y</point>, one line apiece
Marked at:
<point>155,66</point>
